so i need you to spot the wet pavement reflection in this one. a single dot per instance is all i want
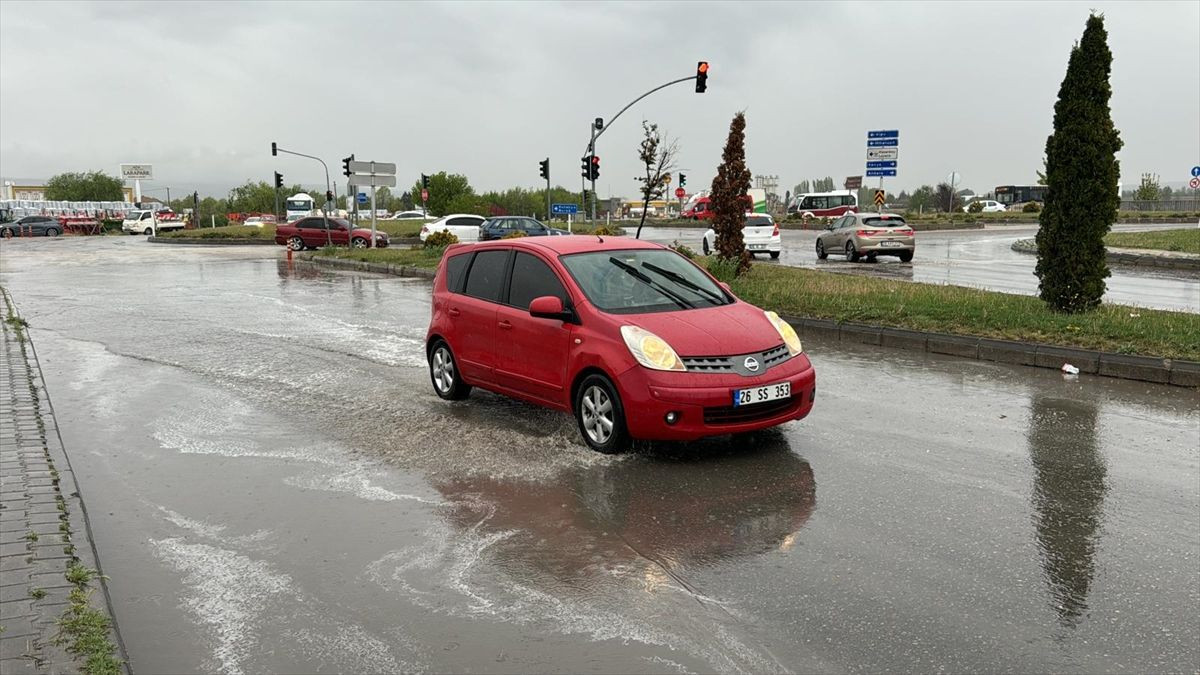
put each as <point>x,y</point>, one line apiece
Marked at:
<point>275,488</point>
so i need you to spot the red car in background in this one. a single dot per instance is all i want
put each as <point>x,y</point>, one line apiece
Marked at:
<point>311,233</point>
<point>633,339</point>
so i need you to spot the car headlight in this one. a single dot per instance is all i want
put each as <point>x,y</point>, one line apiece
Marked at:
<point>786,332</point>
<point>650,350</point>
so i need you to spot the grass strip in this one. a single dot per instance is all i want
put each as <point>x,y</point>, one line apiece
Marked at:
<point>84,630</point>
<point>969,311</point>
<point>415,257</point>
<point>1182,240</point>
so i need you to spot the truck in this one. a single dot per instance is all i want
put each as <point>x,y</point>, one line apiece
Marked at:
<point>150,222</point>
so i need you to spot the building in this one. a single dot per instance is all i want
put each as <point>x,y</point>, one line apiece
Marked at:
<point>35,190</point>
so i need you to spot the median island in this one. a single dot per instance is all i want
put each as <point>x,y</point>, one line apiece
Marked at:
<point>926,307</point>
<point>1179,241</point>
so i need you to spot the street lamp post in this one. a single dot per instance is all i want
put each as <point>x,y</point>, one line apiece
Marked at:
<point>275,150</point>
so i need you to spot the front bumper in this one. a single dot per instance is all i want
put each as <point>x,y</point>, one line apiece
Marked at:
<point>703,402</point>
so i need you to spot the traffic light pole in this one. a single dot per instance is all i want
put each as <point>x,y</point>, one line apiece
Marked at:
<point>591,148</point>
<point>328,185</point>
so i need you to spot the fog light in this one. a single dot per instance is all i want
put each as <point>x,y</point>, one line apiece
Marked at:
<point>672,417</point>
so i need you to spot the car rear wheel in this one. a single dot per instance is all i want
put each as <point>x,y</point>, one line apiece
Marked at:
<point>52,232</point>
<point>704,246</point>
<point>8,233</point>
<point>443,371</point>
<point>775,255</point>
<point>821,254</point>
<point>851,252</point>
<point>906,256</point>
<point>358,242</point>
<point>295,244</point>
<point>600,415</point>
<point>148,231</point>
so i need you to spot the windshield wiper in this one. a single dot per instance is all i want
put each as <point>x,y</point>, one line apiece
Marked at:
<point>637,274</point>
<point>684,281</point>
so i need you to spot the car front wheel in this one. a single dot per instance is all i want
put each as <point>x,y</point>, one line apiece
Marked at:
<point>600,415</point>
<point>8,233</point>
<point>443,371</point>
<point>821,254</point>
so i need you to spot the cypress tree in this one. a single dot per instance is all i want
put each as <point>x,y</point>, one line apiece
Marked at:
<point>1081,176</point>
<point>728,199</point>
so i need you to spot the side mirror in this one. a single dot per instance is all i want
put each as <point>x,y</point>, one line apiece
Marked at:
<point>549,307</point>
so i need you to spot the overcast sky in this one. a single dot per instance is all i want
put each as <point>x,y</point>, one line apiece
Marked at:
<point>489,89</point>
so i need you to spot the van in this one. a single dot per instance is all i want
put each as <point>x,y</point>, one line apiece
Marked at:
<point>825,204</point>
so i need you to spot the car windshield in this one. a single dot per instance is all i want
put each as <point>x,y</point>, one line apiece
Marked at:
<point>642,280</point>
<point>890,221</point>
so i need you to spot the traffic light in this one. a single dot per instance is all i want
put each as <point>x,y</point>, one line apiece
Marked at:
<point>586,195</point>
<point>585,166</point>
<point>424,182</point>
<point>544,168</point>
<point>682,180</point>
<point>701,77</point>
<point>329,195</point>
<point>278,180</point>
<point>595,168</point>
<point>346,166</point>
<point>274,150</point>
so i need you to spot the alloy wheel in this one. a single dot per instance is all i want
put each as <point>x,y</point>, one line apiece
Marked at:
<point>597,414</point>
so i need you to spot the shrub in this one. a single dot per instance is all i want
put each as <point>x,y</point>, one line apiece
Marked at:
<point>1031,207</point>
<point>605,231</point>
<point>514,235</point>
<point>440,239</point>
<point>724,269</point>
<point>975,207</point>
<point>683,250</point>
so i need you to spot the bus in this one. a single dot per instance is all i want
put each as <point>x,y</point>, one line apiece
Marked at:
<point>1019,194</point>
<point>299,205</point>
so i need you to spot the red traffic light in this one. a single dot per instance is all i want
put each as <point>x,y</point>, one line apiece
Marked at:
<point>701,77</point>
<point>703,67</point>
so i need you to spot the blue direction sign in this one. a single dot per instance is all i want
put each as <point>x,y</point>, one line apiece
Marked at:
<point>883,143</point>
<point>1196,172</point>
<point>564,209</point>
<point>362,198</point>
<point>881,164</point>
<point>871,173</point>
<point>884,133</point>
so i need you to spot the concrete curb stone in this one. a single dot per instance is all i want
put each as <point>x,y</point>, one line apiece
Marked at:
<point>211,242</point>
<point>1126,256</point>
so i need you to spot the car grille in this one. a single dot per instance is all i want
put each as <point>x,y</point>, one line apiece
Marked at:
<point>736,364</point>
<point>751,413</point>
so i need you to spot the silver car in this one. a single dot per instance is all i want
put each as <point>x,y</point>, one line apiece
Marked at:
<point>867,235</point>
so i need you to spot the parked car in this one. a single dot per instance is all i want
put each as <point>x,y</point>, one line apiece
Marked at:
<point>867,235</point>
<point>825,204</point>
<point>259,221</point>
<point>465,226</point>
<point>498,228</point>
<point>989,206</point>
<point>37,226</point>
<point>760,232</point>
<point>633,339</point>
<point>410,215</point>
<point>310,233</point>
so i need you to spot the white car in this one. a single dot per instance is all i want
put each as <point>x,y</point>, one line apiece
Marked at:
<point>760,232</point>
<point>259,221</point>
<point>409,215</point>
<point>465,226</point>
<point>989,206</point>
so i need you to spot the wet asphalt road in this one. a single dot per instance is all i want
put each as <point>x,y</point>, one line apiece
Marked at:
<point>982,259</point>
<point>274,487</point>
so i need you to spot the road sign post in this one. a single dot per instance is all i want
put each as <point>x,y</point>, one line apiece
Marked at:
<point>375,175</point>
<point>883,151</point>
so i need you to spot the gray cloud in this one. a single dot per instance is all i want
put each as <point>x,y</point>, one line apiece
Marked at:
<point>489,89</point>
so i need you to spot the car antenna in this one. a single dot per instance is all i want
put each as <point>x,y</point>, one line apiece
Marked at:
<point>600,238</point>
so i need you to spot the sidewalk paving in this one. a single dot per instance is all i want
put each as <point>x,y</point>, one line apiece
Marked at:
<point>43,529</point>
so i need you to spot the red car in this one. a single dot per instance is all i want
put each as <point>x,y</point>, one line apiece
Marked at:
<point>310,232</point>
<point>630,337</point>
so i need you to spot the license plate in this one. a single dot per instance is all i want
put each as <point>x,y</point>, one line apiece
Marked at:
<point>770,392</point>
<point>757,247</point>
<point>891,244</point>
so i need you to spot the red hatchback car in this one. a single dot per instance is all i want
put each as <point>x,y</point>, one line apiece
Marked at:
<point>630,337</point>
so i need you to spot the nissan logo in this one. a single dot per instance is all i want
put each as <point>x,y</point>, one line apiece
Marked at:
<point>751,364</point>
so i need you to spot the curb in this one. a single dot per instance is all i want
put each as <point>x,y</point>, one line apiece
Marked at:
<point>197,241</point>
<point>359,265</point>
<point>1129,256</point>
<point>1141,368</point>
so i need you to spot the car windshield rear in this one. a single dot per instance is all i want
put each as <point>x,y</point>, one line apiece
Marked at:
<point>642,281</point>
<point>890,221</point>
<point>758,221</point>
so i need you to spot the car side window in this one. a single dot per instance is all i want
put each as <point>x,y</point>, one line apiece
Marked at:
<point>312,224</point>
<point>532,278</point>
<point>460,221</point>
<point>485,280</point>
<point>456,266</point>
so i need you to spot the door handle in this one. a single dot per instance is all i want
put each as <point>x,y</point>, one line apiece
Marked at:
<point>453,312</point>
<point>505,325</point>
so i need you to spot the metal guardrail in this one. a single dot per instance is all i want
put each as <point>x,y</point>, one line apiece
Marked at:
<point>1190,204</point>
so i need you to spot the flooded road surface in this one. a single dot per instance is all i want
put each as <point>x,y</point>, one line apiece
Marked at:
<point>274,487</point>
<point>980,259</point>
